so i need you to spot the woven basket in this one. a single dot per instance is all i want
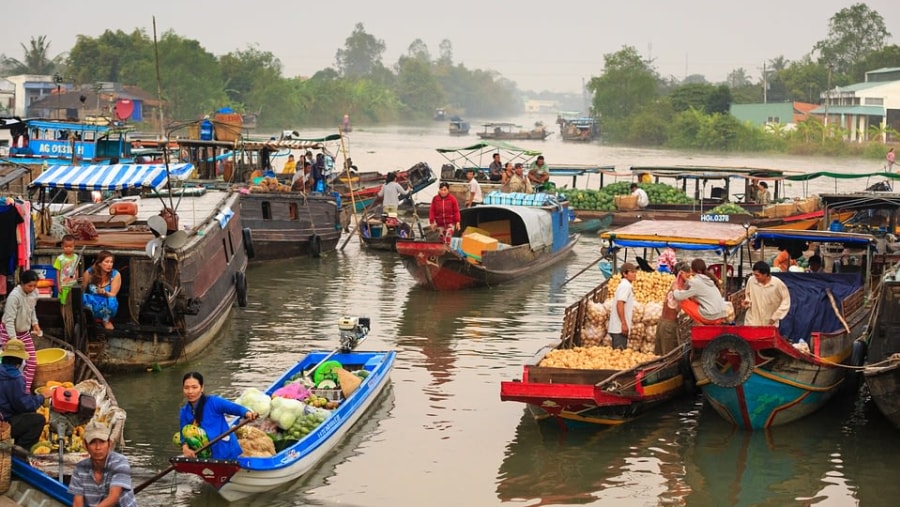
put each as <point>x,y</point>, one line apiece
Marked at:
<point>60,371</point>
<point>626,202</point>
<point>5,457</point>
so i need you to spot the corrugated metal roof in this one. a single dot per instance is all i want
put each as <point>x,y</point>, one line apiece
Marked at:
<point>855,87</point>
<point>858,110</point>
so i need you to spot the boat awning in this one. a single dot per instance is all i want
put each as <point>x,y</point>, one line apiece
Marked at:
<point>843,176</point>
<point>110,177</point>
<point>489,145</point>
<point>847,238</point>
<point>680,234</point>
<point>538,222</point>
<point>11,175</point>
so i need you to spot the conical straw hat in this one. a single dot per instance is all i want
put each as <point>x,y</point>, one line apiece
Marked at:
<point>349,382</point>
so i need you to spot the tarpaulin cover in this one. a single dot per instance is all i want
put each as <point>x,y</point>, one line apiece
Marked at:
<point>111,177</point>
<point>810,308</point>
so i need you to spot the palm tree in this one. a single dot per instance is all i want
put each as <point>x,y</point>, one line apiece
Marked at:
<point>36,61</point>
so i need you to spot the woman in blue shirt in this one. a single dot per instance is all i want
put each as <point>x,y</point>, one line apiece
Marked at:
<point>208,412</point>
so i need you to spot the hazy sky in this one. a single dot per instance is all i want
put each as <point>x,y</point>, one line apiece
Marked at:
<point>540,45</point>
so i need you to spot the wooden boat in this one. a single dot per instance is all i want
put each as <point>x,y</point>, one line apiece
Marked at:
<point>521,239</point>
<point>755,377</point>
<point>581,396</point>
<point>581,130</point>
<point>285,224</point>
<point>458,126</point>
<point>882,368</point>
<point>245,476</point>
<point>61,142</point>
<point>177,289</point>
<point>362,193</point>
<point>36,478</point>
<point>511,132</point>
<point>382,232</point>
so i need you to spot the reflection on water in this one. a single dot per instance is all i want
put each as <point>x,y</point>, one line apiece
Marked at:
<point>442,437</point>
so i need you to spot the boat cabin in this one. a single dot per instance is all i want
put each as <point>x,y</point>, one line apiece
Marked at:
<point>67,141</point>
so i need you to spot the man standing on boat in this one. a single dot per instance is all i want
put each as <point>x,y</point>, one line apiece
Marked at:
<point>767,299</point>
<point>391,194</point>
<point>623,307</point>
<point>473,189</point>
<point>495,170</point>
<point>518,182</point>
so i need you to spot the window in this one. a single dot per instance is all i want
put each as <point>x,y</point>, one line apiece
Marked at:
<point>774,119</point>
<point>293,211</point>
<point>267,210</point>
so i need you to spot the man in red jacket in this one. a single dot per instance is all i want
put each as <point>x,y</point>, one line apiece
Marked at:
<point>443,214</point>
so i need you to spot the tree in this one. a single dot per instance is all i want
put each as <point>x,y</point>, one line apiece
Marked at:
<point>446,50</point>
<point>417,87</point>
<point>886,57</point>
<point>114,56</point>
<point>244,71</point>
<point>419,50</point>
<point>628,83</point>
<point>853,33</point>
<point>36,61</point>
<point>361,53</point>
<point>738,78</point>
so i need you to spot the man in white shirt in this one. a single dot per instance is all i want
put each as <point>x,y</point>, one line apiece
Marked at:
<point>623,307</point>
<point>473,189</point>
<point>643,200</point>
<point>391,194</point>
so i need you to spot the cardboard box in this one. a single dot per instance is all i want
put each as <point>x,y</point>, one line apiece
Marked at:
<point>474,245</point>
<point>497,229</point>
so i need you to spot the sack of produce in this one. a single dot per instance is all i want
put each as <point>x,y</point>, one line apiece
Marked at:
<point>195,437</point>
<point>349,382</point>
<point>255,400</point>
<point>285,411</point>
<point>255,443</point>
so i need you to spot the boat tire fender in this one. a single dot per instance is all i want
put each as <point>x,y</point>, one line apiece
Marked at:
<point>240,286</point>
<point>248,242</point>
<point>859,352</point>
<point>315,245</point>
<point>727,361</point>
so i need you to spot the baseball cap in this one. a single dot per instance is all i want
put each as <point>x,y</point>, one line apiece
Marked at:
<point>95,431</point>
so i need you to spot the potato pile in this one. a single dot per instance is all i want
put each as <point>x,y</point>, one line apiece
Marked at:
<point>595,358</point>
<point>647,286</point>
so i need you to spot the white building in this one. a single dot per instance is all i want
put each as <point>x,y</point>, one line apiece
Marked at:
<point>860,106</point>
<point>28,88</point>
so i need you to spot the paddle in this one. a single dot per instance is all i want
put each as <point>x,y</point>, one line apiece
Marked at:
<point>140,487</point>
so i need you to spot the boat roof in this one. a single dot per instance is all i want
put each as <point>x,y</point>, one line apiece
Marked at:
<point>500,124</point>
<point>680,234</point>
<point>842,176</point>
<point>480,153</point>
<point>581,169</point>
<point>538,221</point>
<point>75,126</point>
<point>861,200</point>
<point>713,172</point>
<point>111,177</point>
<point>817,236</point>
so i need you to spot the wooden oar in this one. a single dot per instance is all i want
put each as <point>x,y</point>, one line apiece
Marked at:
<point>140,487</point>
<point>836,311</point>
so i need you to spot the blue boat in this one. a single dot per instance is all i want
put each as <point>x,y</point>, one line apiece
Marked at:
<point>37,141</point>
<point>239,478</point>
<point>757,377</point>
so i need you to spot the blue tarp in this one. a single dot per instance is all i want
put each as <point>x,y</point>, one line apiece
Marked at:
<point>810,308</point>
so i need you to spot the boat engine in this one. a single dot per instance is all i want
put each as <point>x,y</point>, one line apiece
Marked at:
<point>69,408</point>
<point>353,330</point>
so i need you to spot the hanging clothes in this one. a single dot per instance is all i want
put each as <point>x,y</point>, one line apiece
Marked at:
<point>10,219</point>
<point>25,233</point>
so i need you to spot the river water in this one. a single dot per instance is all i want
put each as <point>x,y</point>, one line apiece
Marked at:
<point>440,435</point>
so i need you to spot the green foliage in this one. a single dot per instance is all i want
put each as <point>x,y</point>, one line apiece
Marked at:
<point>360,55</point>
<point>417,88</point>
<point>626,85</point>
<point>853,32</point>
<point>36,59</point>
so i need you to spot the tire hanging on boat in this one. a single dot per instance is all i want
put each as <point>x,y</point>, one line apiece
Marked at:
<point>240,286</point>
<point>727,361</point>
<point>315,245</point>
<point>858,354</point>
<point>248,242</point>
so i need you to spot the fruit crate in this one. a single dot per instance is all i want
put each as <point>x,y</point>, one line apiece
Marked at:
<point>328,394</point>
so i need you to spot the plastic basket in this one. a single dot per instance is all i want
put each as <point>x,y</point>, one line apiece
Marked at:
<point>62,370</point>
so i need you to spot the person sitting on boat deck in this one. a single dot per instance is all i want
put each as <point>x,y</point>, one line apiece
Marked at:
<point>495,170</point>
<point>20,320</point>
<point>700,298</point>
<point>518,182</point>
<point>473,189</point>
<point>752,194</point>
<point>815,264</point>
<point>643,200</point>
<point>208,413</point>
<point>766,298</point>
<point>104,477</point>
<point>763,196</point>
<point>539,174</point>
<point>667,338</point>
<point>17,406</point>
<point>290,166</point>
<point>101,283</point>
<point>390,195</point>
<point>302,180</point>
<point>623,307</point>
<point>505,176</point>
<point>443,214</point>
<point>783,260</point>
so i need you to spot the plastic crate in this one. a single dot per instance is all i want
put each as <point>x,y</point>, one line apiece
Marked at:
<point>328,394</point>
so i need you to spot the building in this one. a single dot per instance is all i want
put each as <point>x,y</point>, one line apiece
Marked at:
<point>783,113</point>
<point>28,88</point>
<point>100,102</point>
<point>868,110</point>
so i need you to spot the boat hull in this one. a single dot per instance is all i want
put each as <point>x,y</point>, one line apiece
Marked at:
<point>882,369</point>
<point>237,479</point>
<point>284,225</point>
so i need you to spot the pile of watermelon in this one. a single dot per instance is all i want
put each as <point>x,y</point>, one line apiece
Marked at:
<point>604,199</point>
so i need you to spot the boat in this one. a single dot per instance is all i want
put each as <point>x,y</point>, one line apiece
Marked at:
<point>363,187</point>
<point>36,478</point>
<point>440,114</point>
<point>39,141</point>
<point>589,225</point>
<point>515,235</point>
<point>458,126</point>
<point>182,257</point>
<point>757,377</point>
<point>603,395</point>
<point>245,476</point>
<point>581,130</point>
<point>478,156</point>
<point>504,131</point>
<point>381,232</point>
<point>882,367</point>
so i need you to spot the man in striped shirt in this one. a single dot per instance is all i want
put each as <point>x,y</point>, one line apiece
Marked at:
<point>105,476</point>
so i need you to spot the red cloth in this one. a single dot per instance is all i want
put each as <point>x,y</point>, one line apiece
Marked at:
<point>444,211</point>
<point>691,308</point>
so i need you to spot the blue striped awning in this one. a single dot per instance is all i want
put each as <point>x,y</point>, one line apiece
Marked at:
<point>110,177</point>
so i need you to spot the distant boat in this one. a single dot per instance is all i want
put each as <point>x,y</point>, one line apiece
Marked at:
<point>440,114</point>
<point>458,126</point>
<point>508,131</point>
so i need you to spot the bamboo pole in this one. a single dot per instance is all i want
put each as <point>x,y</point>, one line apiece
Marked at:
<point>352,193</point>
